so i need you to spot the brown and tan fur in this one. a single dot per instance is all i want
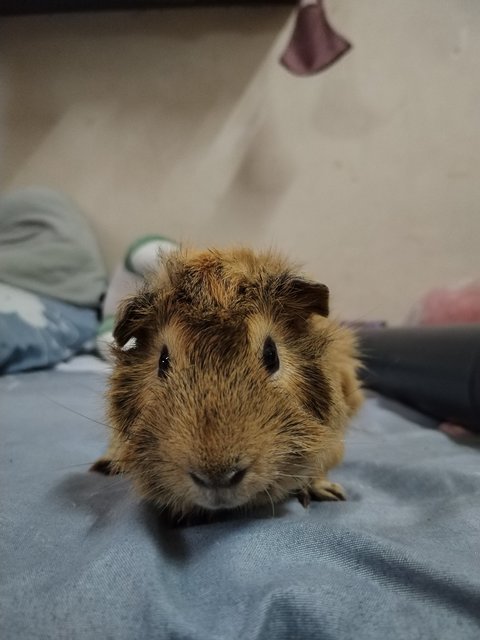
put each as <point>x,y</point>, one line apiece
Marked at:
<point>217,407</point>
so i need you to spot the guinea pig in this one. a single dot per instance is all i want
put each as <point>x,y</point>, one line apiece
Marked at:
<point>231,386</point>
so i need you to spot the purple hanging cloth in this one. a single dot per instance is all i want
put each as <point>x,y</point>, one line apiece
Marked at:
<point>314,45</point>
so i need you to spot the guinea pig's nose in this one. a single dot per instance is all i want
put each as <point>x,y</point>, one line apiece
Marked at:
<point>215,480</point>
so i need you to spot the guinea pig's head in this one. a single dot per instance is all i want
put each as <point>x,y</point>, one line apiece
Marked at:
<point>225,390</point>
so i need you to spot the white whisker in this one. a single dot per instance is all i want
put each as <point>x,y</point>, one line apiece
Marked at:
<point>271,502</point>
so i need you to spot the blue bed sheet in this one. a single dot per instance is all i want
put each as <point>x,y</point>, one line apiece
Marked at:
<point>81,558</point>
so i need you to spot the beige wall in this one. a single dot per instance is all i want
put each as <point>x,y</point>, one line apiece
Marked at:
<point>181,122</point>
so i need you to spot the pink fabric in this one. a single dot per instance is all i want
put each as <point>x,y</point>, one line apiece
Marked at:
<point>455,431</point>
<point>448,305</point>
<point>314,45</point>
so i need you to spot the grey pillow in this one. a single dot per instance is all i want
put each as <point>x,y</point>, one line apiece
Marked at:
<point>47,246</point>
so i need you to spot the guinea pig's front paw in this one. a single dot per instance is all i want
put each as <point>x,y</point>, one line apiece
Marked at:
<point>322,490</point>
<point>105,466</point>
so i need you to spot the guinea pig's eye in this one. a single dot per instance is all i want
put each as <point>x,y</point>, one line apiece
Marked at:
<point>163,363</point>
<point>270,356</point>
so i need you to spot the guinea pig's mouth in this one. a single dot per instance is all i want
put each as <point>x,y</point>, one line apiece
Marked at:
<point>215,499</point>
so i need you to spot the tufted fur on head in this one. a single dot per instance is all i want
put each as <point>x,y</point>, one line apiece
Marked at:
<point>231,384</point>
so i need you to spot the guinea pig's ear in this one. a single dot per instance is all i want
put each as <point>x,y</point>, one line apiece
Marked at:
<point>132,317</point>
<point>308,297</point>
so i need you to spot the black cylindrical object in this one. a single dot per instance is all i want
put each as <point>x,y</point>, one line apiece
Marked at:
<point>434,369</point>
